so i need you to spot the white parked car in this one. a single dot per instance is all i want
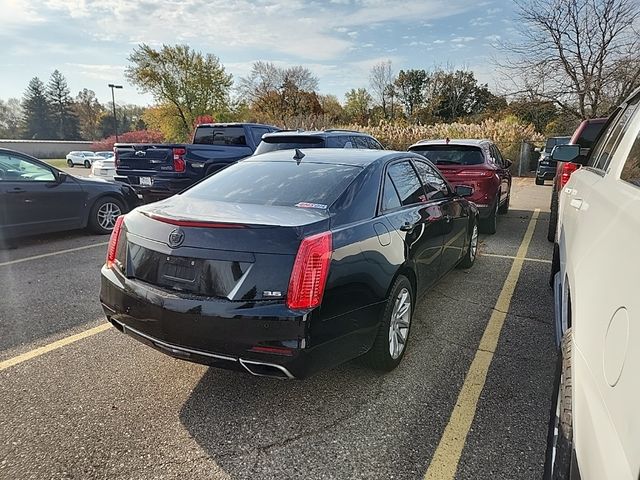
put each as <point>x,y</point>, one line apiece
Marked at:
<point>84,158</point>
<point>596,270</point>
<point>105,168</point>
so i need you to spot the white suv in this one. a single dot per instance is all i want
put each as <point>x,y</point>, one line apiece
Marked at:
<point>84,158</point>
<point>597,289</point>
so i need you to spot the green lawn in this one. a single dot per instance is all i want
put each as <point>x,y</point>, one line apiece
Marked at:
<point>57,162</point>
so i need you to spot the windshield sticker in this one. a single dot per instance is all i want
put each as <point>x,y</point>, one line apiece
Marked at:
<point>311,205</point>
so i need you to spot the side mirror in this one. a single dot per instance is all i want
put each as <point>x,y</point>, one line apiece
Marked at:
<point>463,190</point>
<point>566,153</point>
<point>507,163</point>
<point>62,177</point>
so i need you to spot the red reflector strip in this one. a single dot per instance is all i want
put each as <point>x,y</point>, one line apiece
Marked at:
<point>192,223</point>
<point>272,350</point>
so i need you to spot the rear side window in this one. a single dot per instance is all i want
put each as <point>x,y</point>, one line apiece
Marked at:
<point>407,184</point>
<point>361,142</point>
<point>390,199</point>
<point>451,154</point>
<point>309,185</point>
<point>339,142</point>
<point>588,136</point>
<point>212,135</point>
<point>282,142</point>
<point>257,133</point>
<point>606,147</point>
<point>373,144</point>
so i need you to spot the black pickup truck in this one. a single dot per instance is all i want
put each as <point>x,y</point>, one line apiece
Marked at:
<point>157,171</point>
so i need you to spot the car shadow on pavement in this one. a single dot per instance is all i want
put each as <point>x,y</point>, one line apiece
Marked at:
<point>238,419</point>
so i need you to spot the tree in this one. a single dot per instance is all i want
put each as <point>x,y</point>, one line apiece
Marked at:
<point>358,105</point>
<point>381,82</point>
<point>131,118</point>
<point>332,111</point>
<point>10,114</point>
<point>192,83</point>
<point>64,122</point>
<point>410,86</point>
<point>89,112</point>
<point>280,95</point>
<point>36,121</point>
<point>584,55</point>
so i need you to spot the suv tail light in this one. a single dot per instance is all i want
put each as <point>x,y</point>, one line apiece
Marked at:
<point>113,242</point>
<point>566,170</point>
<point>475,173</point>
<point>310,271</point>
<point>179,165</point>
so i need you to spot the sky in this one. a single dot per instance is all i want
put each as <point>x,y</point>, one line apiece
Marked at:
<point>89,41</point>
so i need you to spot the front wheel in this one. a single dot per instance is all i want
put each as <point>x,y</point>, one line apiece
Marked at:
<point>393,332</point>
<point>470,257</point>
<point>87,164</point>
<point>504,208</point>
<point>69,163</point>
<point>104,213</point>
<point>553,218</point>
<point>539,181</point>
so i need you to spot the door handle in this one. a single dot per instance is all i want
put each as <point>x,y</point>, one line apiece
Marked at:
<point>17,190</point>
<point>576,203</point>
<point>407,226</point>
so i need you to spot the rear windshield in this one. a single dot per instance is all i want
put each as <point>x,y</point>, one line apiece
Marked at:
<point>208,135</point>
<point>552,142</point>
<point>308,185</point>
<point>451,154</point>
<point>280,142</point>
<point>589,134</point>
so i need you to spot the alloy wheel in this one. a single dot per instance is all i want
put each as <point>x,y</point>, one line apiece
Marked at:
<point>107,215</point>
<point>399,324</point>
<point>474,243</point>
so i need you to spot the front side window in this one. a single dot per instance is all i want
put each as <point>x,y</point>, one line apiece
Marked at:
<point>257,133</point>
<point>18,169</point>
<point>407,184</point>
<point>610,140</point>
<point>433,183</point>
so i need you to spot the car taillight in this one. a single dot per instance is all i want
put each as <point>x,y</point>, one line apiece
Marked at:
<point>113,242</point>
<point>566,170</point>
<point>310,271</point>
<point>475,173</point>
<point>179,165</point>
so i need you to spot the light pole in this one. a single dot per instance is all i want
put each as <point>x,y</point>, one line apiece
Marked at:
<point>113,102</point>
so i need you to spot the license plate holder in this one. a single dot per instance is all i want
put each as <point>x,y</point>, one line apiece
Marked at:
<point>145,181</point>
<point>180,269</point>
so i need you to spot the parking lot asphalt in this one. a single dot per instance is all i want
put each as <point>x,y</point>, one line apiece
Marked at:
<point>106,406</point>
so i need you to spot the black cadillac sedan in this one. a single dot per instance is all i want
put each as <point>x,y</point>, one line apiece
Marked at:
<point>37,198</point>
<point>289,262</point>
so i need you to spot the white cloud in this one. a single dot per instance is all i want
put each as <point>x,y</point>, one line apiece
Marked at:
<point>462,39</point>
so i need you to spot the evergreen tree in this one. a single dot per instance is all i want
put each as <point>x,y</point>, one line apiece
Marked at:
<point>64,121</point>
<point>36,121</point>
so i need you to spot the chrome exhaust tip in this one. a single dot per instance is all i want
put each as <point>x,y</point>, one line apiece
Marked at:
<point>262,369</point>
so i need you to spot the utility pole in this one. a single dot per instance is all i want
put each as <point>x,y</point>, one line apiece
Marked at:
<point>113,102</point>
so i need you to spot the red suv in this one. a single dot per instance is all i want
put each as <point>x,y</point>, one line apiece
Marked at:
<point>585,136</point>
<point>478,164</point>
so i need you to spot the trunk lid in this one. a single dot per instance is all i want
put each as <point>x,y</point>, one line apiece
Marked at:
<point>144,158</point>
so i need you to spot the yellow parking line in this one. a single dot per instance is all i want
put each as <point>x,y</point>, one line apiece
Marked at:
<point>45,255</point>
<point>511,257</point>
<point>444,463</point>
<point>53,346</point>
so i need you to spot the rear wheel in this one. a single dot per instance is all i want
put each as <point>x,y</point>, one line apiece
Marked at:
<point>472,251</point>
<point>393,332</point>
<point>561,452</point>
<point>490,224</point>
<point>87,164</point>
<point>539,181</point>
<point>70,163</point>
<point>553,218</point>
<point>104,213</point>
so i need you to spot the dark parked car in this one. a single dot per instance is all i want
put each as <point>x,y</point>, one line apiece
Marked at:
<point>157,171</point>
<point>476,163</point>
<point>289,262</point>
<point>38,198</point>
<point>288,139</point>
<point>546,169</point>
<point>585,135</point>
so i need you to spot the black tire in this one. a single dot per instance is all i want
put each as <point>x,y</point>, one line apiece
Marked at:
<point>472,252</point>
<point>69,163</point>
<point>555,264</point>
<point>504,208</point>
<point>560,466</point>
<point>98,211</point>
<point>490,224</point>
<point>539,181</point>
<point>87,164</point>
<point>379,357</point>
<point>553,218</point>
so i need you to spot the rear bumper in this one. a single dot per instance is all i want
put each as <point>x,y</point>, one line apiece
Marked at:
<point>211,331</point>
<point>161,187</point>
